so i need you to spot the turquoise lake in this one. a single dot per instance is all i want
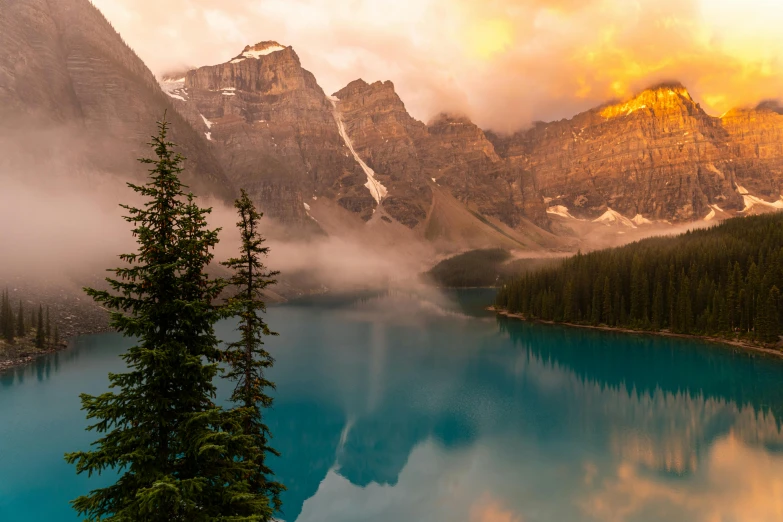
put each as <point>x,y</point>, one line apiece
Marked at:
<point>410,408</point>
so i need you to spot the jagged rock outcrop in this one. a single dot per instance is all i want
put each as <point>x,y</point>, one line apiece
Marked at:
<point>64,69</point>
<point>658,155</point>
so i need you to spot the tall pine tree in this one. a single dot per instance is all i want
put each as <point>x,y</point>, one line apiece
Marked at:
<point>7,318</point>
<point>20,329</point>
<point>247,358</point>
<point>40,339</point>
<point>179,456</point>
<point>48,326</point>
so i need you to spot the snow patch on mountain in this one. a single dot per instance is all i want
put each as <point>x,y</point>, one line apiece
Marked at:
<point>714,209</point>
<point>258,51</point>
<point>753,201</point>
<point>174,88</point>
<point>560,210</point>
<point>208,135</point>
<point>611,217</point>
<point>377,190</point>
<point>640,220</point>
<point>206,121</point>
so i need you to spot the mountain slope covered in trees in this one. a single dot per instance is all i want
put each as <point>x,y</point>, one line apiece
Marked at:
<point>724,281</point>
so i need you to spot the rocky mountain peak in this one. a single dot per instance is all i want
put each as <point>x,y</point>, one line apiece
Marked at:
<point>446,118</point>
<point>379,95</point>
<point>360,86</point>
<point>661,97</point>
<point>258,50</point>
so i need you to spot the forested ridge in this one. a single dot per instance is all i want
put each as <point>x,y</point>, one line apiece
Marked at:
<point>721,281</point>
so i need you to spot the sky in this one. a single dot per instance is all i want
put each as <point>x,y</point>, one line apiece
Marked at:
<point>503,63</point>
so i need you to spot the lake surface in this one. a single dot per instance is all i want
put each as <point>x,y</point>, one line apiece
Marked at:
<point>421,408</point>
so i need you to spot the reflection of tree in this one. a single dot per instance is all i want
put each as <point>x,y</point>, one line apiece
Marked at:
<point>610,396</point>
<point>648,363</point>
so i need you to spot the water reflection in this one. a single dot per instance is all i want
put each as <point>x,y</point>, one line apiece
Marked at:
<point>499,420</point>
<point>416,407</point>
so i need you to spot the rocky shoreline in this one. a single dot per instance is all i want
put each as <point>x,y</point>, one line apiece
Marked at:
<point>744,345</point>
<point>71,312</point>
<point>24,358</point>
<point>24,352</point>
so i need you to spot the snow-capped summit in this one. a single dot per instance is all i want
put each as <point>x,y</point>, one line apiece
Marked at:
<point>258,50</point>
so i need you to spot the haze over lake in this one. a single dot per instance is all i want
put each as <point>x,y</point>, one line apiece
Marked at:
<point>404,407</point>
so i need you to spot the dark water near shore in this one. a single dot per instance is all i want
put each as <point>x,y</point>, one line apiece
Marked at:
<point>406,408</point>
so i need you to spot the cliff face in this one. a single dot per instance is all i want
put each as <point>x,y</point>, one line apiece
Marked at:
<point>659,155</point>
<point>757,148</point>
<point>63,66</point>
<point>408,156</point>
<point>273,129</point>
<point>386,137</point>
<point>279,136</point>
<point>459,156</point>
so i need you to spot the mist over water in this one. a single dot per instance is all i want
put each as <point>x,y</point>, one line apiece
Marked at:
<point>409,406</point>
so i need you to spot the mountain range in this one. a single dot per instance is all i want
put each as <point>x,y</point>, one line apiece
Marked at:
<point>324,163</point>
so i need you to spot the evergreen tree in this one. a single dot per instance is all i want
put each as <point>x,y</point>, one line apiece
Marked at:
<point>56,335</point>
<point>568,302</point>
<point>247,358</point>
<point>7,313</point>
<point>768,328</point>
<point>608,312</point>
<point>40,340</point>
<point>20,329</point>
<point>715,281</point>
<point>595,308</point>
<point>179,456</point>
<point>48,326</point>
<point>657,307</point>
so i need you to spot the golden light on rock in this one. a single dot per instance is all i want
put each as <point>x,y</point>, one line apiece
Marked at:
<point>660,97</point>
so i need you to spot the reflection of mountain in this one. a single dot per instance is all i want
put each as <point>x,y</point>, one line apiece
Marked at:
<point>469,415</point>
<point>378,446</point>
<point>388,380</point>
<point>393,410</point>
<point>307,436</point>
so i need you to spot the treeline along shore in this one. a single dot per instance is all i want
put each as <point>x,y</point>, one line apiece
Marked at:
<point>723,283</point>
